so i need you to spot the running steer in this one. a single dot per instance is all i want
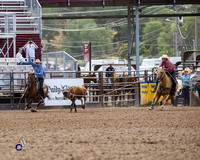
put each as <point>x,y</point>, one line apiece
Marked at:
<point>74,93</point>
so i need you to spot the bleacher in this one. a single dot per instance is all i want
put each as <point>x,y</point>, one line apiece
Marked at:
<point>28,25</point>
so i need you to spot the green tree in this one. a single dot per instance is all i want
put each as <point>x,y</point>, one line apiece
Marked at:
<point>78,33</point>
<point>123,51</point>
<point>151,32</point>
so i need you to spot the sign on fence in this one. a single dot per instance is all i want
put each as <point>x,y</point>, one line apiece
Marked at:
<point>146,92</point>
<point>55,87</point>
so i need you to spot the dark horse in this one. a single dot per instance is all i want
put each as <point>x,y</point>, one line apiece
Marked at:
<point>125,84</point>
<point>163,89</point>
<point>31,92</point>
<point>90,77</point>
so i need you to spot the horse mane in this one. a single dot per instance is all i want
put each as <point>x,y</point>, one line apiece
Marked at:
<point>31,79</point>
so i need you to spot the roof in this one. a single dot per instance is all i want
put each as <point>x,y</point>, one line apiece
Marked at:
<point>100,3</point>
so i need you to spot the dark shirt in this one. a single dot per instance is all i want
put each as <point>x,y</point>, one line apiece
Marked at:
<point>109,74</point>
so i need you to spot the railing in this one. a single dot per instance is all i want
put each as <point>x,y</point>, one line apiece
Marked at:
<point>36,11</point>
<point>120,92</point>
<point>59,61</point>
<point>6,33</point>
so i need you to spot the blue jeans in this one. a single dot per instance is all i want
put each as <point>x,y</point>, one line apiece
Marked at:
<point>109,82</point>
<point>186,95</point>
<point>173,90</point>
<point>41,80</point>
<point>174,101</point>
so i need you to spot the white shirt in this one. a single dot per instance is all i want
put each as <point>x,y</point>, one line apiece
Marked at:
<point>19,58</point>
<point>30,48</point>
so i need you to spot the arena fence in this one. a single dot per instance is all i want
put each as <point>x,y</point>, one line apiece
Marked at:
<point>123,91</point>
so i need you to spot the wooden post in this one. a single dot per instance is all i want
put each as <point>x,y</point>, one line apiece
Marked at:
<point>100,89</point>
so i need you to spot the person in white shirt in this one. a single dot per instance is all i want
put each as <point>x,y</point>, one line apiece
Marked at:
<point>30,47</point>
<point>19,58</point>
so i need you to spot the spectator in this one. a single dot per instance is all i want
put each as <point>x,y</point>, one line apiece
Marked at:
<point>78,73</point>
<point>174,100</point>
<point>186,86</point>
<point>30,47</point>
<point>19,58</point>
<point>39,72</point>
<point>196,79</point>
<point>109,74</point>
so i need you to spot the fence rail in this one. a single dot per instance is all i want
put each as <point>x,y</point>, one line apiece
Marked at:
<point>120,92</point>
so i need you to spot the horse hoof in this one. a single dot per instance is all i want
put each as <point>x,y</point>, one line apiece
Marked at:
<point>33,110</point>
<point>151,108</point>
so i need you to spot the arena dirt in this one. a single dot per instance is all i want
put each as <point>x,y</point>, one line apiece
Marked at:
<point>102,133</point>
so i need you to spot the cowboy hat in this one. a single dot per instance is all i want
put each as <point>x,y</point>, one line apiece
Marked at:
<point>198,69</point>
<point>38,61</point>
<point>188,70</point>
<point>165,56</point>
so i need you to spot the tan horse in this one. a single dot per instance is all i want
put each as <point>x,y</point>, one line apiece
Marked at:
<point>32,93</point>
<point>163,89</point>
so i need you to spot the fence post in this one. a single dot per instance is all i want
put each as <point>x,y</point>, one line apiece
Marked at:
<point>11,90</point>
<point>137,94</point>
<point>191,90</point>
<point>113,87</point>
<point>100,89</point>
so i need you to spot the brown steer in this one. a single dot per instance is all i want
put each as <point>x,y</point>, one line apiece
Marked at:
<point>74,93</point>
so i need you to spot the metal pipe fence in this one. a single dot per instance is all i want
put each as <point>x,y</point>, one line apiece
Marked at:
<point>122,91</point>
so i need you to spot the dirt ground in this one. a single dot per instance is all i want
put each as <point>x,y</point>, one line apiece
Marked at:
<point>102,133</point>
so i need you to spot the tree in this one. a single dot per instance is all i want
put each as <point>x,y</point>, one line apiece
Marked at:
<point>78,32</point>
<point>123,51</point>
<point>151,33</point>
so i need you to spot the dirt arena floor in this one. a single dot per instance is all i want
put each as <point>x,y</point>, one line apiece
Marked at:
<point>102,133</point>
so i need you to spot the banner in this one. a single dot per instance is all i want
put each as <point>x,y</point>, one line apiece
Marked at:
<point>86,52</point>
<point>55,87</point>
<point>146,92</point>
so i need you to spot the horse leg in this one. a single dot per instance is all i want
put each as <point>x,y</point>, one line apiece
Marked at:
<point>157,99</point>
<point>39,103</point>
<point>23,95</point>
<point>153,101</point>
<point>28,104</point>
<point>163,101</point>
<point>168,98</point>
<point>18,106</point>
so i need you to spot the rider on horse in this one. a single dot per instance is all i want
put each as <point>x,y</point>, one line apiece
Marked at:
<point>39,72</point>
<point>170,71</point>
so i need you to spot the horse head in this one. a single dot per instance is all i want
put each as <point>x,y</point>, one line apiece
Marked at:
<point>160,74</point>
<point>31,79</point>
